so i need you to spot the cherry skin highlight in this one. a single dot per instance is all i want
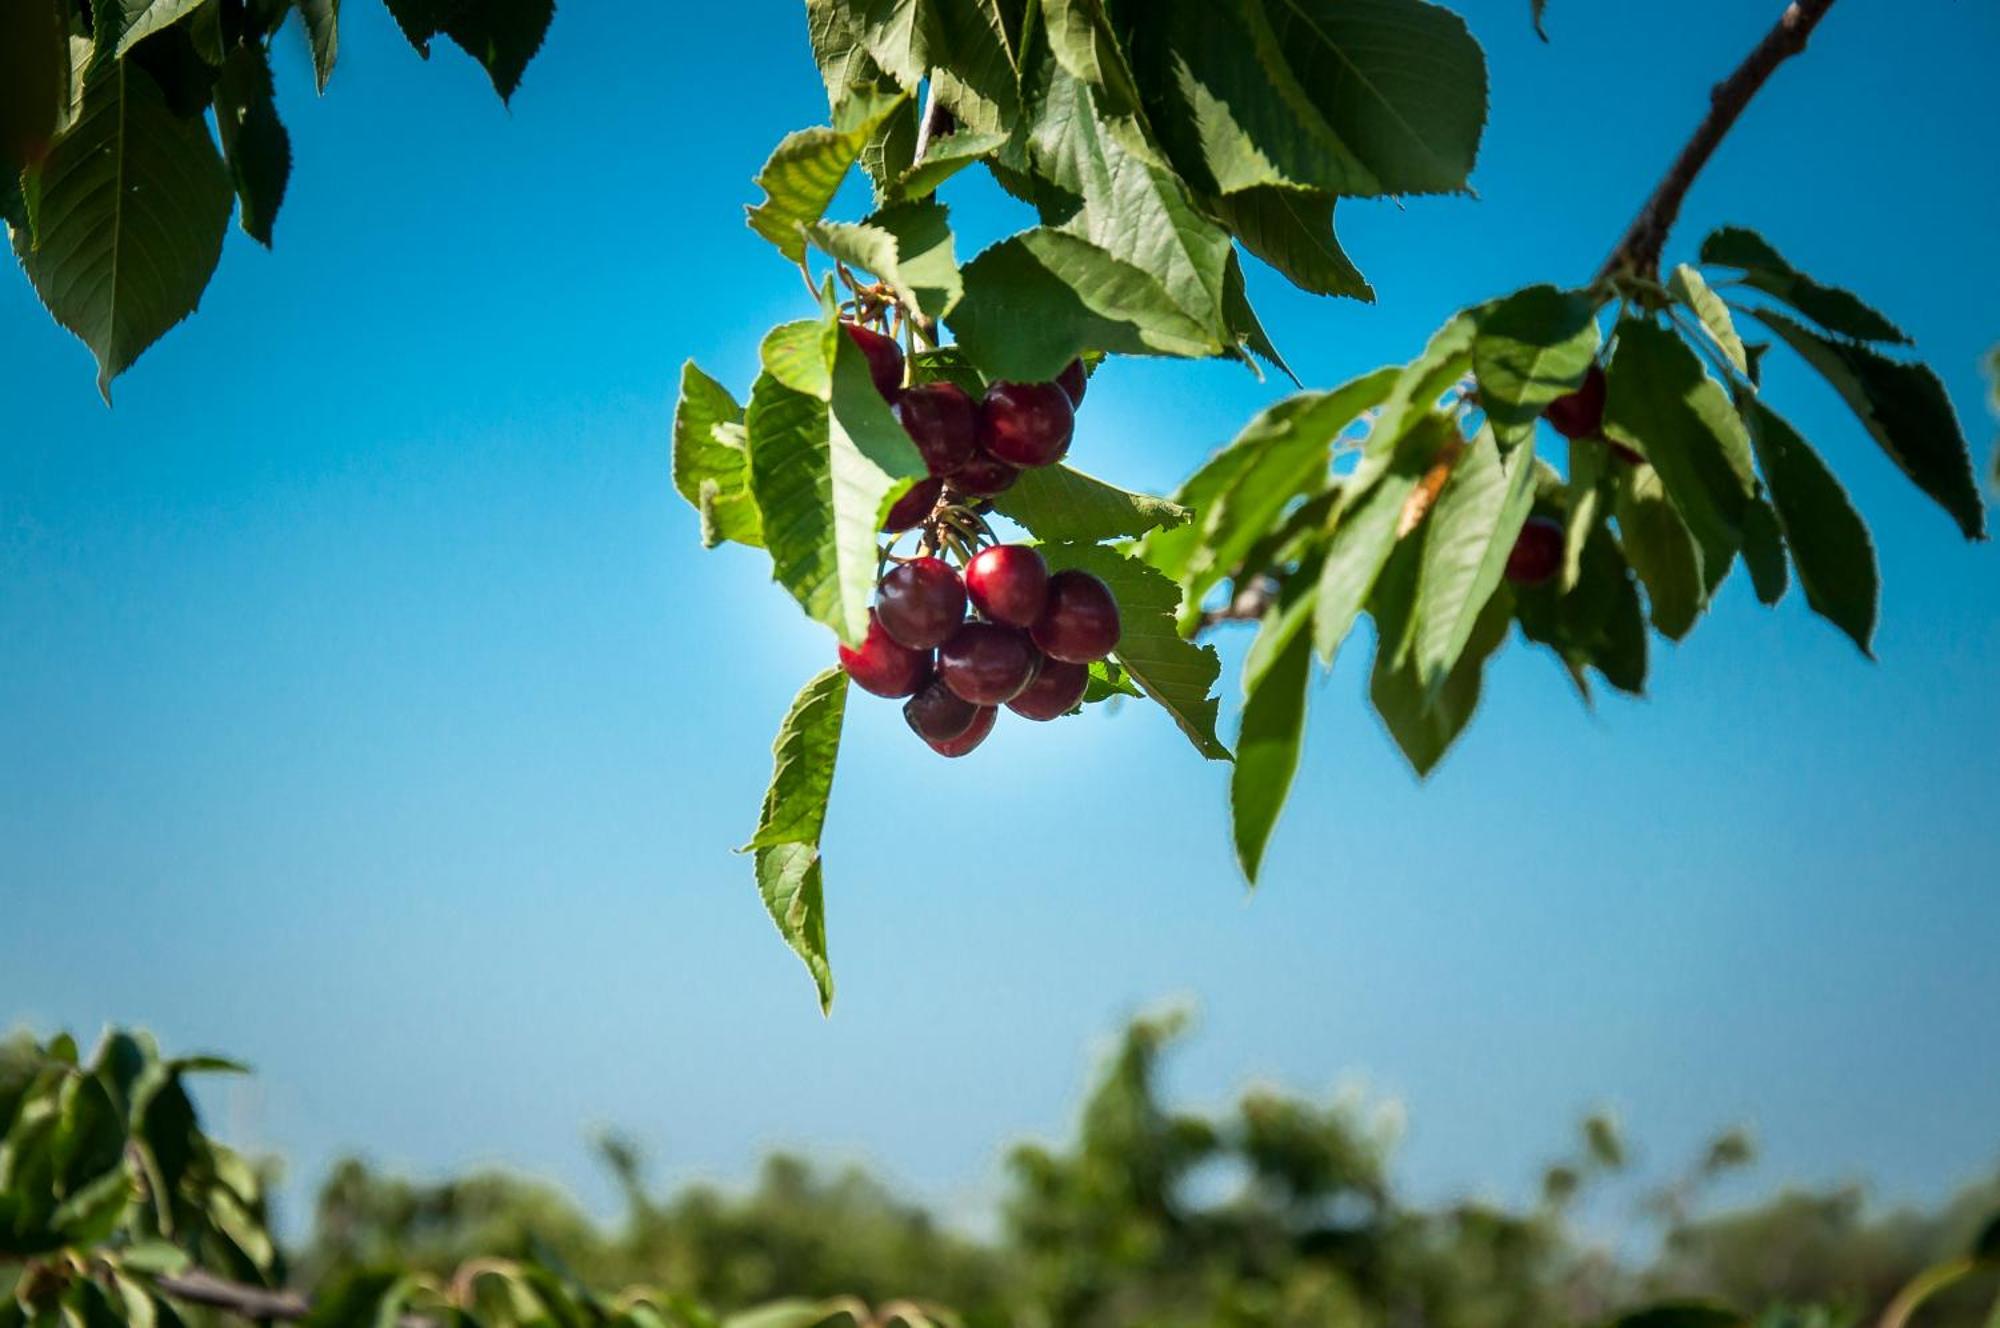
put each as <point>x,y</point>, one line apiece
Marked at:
<point>885,357</point>
<point>987,664</point>
<point>1074,382</point>
<point>1581,413</point>
<point>942,421</point>
<point>1056,690</point>
<point>983,477</point>
<point>1079,623</point>
<point>1026,424</point>
<point>910,510</point>
<point>883,666</point>
<point>1537,553</point>
<point>1008,583</point>
<point>920,603</point>
<point>982,724</point>
<point>938,714</point>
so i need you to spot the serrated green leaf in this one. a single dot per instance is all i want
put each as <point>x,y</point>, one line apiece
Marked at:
<point>420,21</point>
<point>1660,548</point>
<point>805,171</point>
<point>1037,300</point>
<point>1272,736</point>
<point>1364,536</point>
<point>1660,400</point>
<point>119,25</point>
<point>1829,541</point>
<point>907,245</point>
<point>1584,500</point>
<point>1832,308</point>
<point>1425,720</point>
<point>712,461</point>
<point>1764,552</point>
<point>947,364</point>
<point>1905,409</point>
<point>799,355</point>
<point>1082,39</point>
<point>116,274</point>
<point>1466,541</point>
<point>1530,348</point>
<point>322,20</point>
<point>1176,673</point>
<point>1109,681</point>
<point>502,35</point>
<point>1692,290</point>
<point>1415,396</point>
<point>973,66</point>
<point>1292,230</point>
<point>254,142</point>
<point>1061,505</point>
<point>943,158</point>
<point>790,875</point>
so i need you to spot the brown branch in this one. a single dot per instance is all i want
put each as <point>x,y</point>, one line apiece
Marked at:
<point>251,1302</point>
<point>1639,251</point>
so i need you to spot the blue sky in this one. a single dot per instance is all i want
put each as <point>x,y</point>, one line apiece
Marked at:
<point>369,710</point>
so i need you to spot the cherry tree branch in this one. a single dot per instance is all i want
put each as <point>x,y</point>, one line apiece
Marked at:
<point>196,1287</point>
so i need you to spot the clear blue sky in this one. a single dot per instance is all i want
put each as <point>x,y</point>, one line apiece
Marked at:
<point>368,708</point>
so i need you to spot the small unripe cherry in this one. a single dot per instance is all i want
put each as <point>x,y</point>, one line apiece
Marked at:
<point>987,663</point>
<point>1056,690</point>
<point>920,602</point>
<point>942,421</point>
<point>1537,553</point>
<point>911,509</point>
<point>1581,413</point>
<point>1074,382</point>
<point>938,714</point>
<point>1079,622</point>
<point>885,357</point>
<point>1026,424</point>
<point>982,724</point>
<point>1008,583</point>
<point>884,665</point>
<point>984,477</point>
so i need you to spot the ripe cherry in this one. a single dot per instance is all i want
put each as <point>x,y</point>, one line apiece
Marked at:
<point>1079,623</point>
<point>885,357</point>
<point>987,663</point>
<point>1008,583</point>
<point>1581,413</point>
<point>1056,690</point>
<point>1537,552</point>
<point>942,421</point>
<point>938,714</point>
<point>884,666</point>
<point>982,724</point>
<point>1074,382</point>
<point>983,477</point>
<point>920,603</point>
<point>911,509</point>
<point>1026,424</point>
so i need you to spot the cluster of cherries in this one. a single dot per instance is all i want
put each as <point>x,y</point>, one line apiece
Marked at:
<point>1538,551</point>
<point>1032,634</point>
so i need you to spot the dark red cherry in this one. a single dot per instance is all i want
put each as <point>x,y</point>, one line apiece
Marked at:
<point>1537,552</point>
<point>921,602</point>
<point>911,509</point>
<point>1074,382</point>
<point>982,724</point>
<point>942,421</point>
<point>983,477</point>
<point>938,714</point>
<point>1581,413</point>
<point>987,663</point>
<point>885,358</point>
<point>1008,583</point>
<point>883,665</point>
<point>1079,623</point>
<point>1056,690</point>
<point>1026,424</point>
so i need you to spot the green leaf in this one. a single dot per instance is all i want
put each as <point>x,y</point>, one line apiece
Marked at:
<point>907,245</point>
<point>1364,536</point>
<point>34,85</point>
<point>1425,719</point>
<point>114,272</point>
<point>799,355</point>
<point>322,20</point>
<point>502,35</point>
<point>1530,348</point>
<point>1764,552</point>
<point>805,170</point>
<point>1176,673</point>
<point>1828,539</point>
<point>973,64</point>
<point>1905,409</point>
<point>1292,230</point>
<point>254,141</point>
<point>119,25</point>
<point>420,21</point>
<point>789,875</point>
<point>1834,309</point>
<point>1081,37</point>
<point>1661,550</point>
<point>1692,290</point>
<point>712,461</point>
<point>944,158</point>
<point>1037,300</point>
<point>1060,505</point>
<point>1415,395</point>
<point>1466,541</point>
<point>1585,500</point>
<point>1660,400</point>
<point>1268,746</point>
<point>946,364</point>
